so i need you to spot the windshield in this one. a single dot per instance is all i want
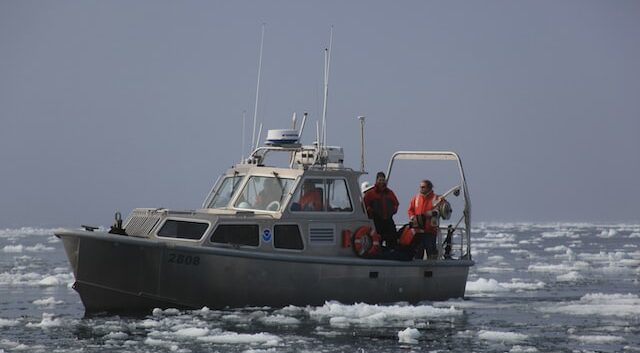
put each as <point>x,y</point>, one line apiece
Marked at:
<point>225,191</point>
<point>264,193</point>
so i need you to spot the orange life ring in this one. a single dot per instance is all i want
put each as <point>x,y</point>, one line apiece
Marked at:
<point>365,242</point>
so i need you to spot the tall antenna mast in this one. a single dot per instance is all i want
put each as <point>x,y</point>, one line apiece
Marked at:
<point>254,139</point>
<point>327,66</point>
<point>244,115</point>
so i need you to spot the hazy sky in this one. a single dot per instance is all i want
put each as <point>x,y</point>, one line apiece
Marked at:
<point>111,105</point>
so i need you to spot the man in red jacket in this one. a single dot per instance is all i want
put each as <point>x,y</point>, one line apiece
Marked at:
<point>382,204</point>
<point>424,218</point>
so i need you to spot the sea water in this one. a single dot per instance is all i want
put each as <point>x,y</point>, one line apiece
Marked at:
<point>535,288</point>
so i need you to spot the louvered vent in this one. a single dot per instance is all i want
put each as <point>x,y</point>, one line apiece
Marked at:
<point>322,235</point>
<point>141,222</point>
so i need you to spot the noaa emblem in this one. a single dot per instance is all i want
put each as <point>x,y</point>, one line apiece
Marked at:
<point>266,234</point>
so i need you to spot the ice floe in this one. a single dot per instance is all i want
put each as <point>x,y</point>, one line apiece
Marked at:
<point>500,336</point>
<point>377,315</point>
<point>409,335</point>
<point>618,305</point>
<point>598,339</point>
<point>48,321</point>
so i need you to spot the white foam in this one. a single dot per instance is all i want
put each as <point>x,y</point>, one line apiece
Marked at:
<point>408,335</point>
<point>242,338</point>
<point>634,235</point>
<point>522,349</point>
<point>500,336</point>
<point>598,339</point>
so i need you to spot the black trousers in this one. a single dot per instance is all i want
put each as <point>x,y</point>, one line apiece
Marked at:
<point>426,241</point>
<point>387,230</point>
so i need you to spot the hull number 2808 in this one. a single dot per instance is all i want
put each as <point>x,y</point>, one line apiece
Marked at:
<point>184,259</point>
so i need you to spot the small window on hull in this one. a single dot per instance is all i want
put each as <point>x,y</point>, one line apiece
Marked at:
<point>183,229</point>
<point>237,234</point>
<point>287,237</point>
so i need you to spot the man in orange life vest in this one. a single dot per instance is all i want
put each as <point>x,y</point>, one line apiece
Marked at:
<point>423,216</point>
<point>382,204</point>
<point>311,199</point>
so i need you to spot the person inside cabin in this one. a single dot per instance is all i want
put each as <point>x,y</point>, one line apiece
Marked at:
<point>381,204</point>
<point>311,197</point>
<point>423,216</point>
<point>271,192</point>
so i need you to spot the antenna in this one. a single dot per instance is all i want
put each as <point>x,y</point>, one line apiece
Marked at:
<point>361,118</point>
<point>255,111</point>
<point>327,66</point>
<point>304,120</point>
<point>244,115</point>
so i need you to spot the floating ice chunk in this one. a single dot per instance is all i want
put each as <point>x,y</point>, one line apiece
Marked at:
<point>519,286</point>
<point>51,301</point>
<point>559,248</point>
<point>9,322</point>
<point>608,233</point>
<point>408,335</point>
<point>279,320</point>
<point>376,315</point>
<point>49,281</point>
<point>192,332</point>
<point>619,305</point>
<point>116,336</point>
<point>559,234</point>
<point>38,248</point>
<point>48,321</point>
<point>239,338</point>
<point>501,336</point>
<point>485,285</point>
<point>572,276</point>
<point>598,339</point>
<point>13,248</point>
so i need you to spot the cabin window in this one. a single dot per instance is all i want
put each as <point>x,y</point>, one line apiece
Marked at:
<point>315,194</point>
<point>338,196</point>
<point>287,237</point>
<point>183,229</point>
<point>310,196</point>
<point>236,234</point>
<point>263,193</point>
<point>224,192</point>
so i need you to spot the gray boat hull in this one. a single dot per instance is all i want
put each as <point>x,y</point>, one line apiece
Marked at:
<point>127,274</point>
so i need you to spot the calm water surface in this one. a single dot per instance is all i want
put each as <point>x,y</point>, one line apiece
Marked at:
<point>535,288</point>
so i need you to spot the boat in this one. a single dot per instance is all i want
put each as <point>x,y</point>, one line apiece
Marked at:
<point>256,242</point>
<point>246,247</point>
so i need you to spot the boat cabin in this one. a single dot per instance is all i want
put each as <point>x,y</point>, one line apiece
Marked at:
<point>309,206</point>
